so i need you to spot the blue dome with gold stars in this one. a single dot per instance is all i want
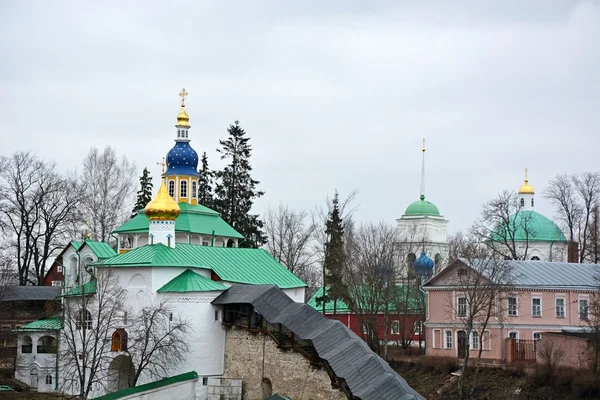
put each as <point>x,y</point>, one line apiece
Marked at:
<point>182,159</point>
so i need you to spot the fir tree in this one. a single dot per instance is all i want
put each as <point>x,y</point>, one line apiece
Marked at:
<point>235,190</point>
<point>334,258</point>
<point>144,195</point>
<point>205,184</point>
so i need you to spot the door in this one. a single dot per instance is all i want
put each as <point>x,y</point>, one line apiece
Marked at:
<point>34,378</point>
<point>462,344</point>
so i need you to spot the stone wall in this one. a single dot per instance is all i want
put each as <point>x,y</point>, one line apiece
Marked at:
<point>264,368</point>
<point>224,389</point>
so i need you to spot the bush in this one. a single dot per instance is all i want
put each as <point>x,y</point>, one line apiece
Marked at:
<point>586,385</point>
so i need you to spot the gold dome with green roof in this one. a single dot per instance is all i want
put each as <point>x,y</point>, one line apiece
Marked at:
<point>162,206</point>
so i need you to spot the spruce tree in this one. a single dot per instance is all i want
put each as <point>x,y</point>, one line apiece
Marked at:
<point>205,184</point>
<point>235,190</point>
<point>334,258</point>
<point>144,195</point>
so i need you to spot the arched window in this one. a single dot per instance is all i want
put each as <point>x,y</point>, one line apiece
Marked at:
<point>26,345</point>
<point>46,345</point>
<point>183,192</point>
<point>230,243</point>
<point>532,202</point>
<point>178,133</point>
<point>119,340</point>
<point>194,189</point>
<point>48,379</point>
<point>83,320</point>
<point>172,188</point>
<point>535,258</point>
<point>522,202</point>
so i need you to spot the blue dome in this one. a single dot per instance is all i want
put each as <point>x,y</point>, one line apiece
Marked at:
<point>424,265</point>
<point>182,160</point>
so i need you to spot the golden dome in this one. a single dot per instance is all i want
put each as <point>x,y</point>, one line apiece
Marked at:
<point>162,207</point>
<point>526,188</point>
<point>182,118</point>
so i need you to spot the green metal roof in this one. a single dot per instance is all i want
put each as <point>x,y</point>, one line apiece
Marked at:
<point>189,281</point>
<point>76,244</point>
<point>100,249</point>
<point>192,219</point>
<point>232,264</point>
<point>88,288</point>
<point>45,324</point>
<point>422,207</point>
<point>412,296</point>
<point>188,376</point>
<point>531,226</point>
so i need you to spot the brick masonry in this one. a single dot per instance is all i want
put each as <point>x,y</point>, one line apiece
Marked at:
<point>255,358</point>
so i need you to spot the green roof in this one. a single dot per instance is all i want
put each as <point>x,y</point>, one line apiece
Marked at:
<point>88,288</point>
<point>189,281</point>
<point>422,207</point>
<point>100,249</point>
<point>342,307</point>
<point>231,264</point>
<point>45,324</point>
<point>192,219</point>
<point>531,226</point>
<point>188,376</point>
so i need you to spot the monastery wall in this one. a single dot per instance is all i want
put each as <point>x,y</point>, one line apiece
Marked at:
<point>253,357</point>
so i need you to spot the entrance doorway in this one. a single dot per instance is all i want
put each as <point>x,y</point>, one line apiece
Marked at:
<point>462,344</point>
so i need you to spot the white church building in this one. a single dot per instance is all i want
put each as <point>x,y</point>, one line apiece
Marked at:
<point>176,252</point>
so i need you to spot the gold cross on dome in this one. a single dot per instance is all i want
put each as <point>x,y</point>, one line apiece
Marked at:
<point>526,173</point>
<point>162,164</point>
<point>183,94</point>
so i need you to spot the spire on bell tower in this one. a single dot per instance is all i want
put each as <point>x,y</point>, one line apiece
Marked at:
<point>183,120</point>
<point>423,172</point>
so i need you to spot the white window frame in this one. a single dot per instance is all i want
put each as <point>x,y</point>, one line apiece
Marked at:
<point>540,306</point>
<point>579,301</point>
<point>516,334</point>
<point>474,341</point>
<point>446,336</point>
<point>533,335</point>
<point>417,327</point>
<point>564,306</point>
<point>433,343</point>
<point>516,308</point>
<point>59,268</point>
<point>56,283</point>
<point>458,307</point>
<point>395,324</point>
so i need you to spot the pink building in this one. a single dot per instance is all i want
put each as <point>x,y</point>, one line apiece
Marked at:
<point>544,297</point>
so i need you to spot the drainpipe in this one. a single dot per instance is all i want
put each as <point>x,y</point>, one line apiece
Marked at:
<point>502,344</point>
<point>212,240</point>
<point>551,245</point>
<point>63,292</point>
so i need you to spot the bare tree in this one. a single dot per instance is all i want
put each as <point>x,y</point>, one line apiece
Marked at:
<point>480,284</point>
<point>290,239</point>
<point>552,352</point>
<point>158,341</point>
<point>37,205</point>
<point>575,197</point>
<point>109,187</point>
<point>505,228</point>
<point>91,315</point>
<point>594,236</point>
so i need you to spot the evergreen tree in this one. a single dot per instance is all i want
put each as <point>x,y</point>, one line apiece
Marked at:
<point>205,184</point>
<point>334,258</point>
<point>144,195</point>
<point>235,190</point>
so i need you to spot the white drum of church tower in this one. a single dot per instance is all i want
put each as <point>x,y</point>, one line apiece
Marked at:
<point>162,212</point>
<point>526,192</point>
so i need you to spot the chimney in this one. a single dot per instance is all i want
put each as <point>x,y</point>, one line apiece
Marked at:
<point>573,252</point>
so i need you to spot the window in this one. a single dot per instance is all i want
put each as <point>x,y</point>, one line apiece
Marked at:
<point>522,202</point>
<point>417,327</point>
<point>395,327</point>
<point>205,243</point>
<point>204,380</point>
<point>512,306</point>
<point>59,268</point>
<point>172,188</point>
<point>365,328</point>
<point>183,192</point>
<point>48,379</point>
<point>584,309</point>
<point>26,345</point>
<point>436,339</point>
<point>560,307</point>
<point>474,341</point>
<point>536,307</point>
<point>46,345</point>
<point>170,317</point>
<point>535,258</point>
<point>216,315</point>
<point>448,341</point>
<point>168,240</point>
<point>532,202</point>
<point>56,283</point>
<point>194,190</point>
<point>513,335</point>
<point>462,307</point>
<point>119,340</point>
<point>537,336</point>
<point>83,320</point>
<point>462,271</point>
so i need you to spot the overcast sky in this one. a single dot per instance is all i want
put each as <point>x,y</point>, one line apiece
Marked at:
<point>334,94</point>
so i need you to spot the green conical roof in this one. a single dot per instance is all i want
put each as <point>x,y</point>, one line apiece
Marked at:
<point>422,207</point>
<point>189,281</point>
<point>531,226</point>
